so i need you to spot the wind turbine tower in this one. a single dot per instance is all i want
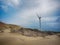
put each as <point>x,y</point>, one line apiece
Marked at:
<point>39,17</point>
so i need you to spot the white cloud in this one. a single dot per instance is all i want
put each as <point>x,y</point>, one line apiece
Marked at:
<point>27,15</point>
<point>39,6</point>
<point>49,19</point>
<point>7,4</point>
<point>46,6</point>
<point>14,3</point>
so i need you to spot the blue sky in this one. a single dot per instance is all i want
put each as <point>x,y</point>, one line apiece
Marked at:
<point>24,13</point>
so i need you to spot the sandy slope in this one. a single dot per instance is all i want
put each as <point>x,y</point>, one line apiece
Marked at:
<point>17,39</point>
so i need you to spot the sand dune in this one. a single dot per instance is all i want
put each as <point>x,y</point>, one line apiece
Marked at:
<point>16,35</point>
<point>17,39</point>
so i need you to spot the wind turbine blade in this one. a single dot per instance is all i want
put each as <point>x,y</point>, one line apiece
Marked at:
<point>38,16</point>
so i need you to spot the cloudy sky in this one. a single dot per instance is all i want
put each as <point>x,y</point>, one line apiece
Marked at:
<point>24,13</point>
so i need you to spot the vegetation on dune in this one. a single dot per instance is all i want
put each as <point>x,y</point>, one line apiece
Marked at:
<point>24,31</point>
<point>13,28</point>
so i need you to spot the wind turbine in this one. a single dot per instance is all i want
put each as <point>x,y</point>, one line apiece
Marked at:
<point>39,17</point>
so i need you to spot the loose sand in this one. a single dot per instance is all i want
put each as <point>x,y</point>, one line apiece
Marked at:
<point>17,39</point>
